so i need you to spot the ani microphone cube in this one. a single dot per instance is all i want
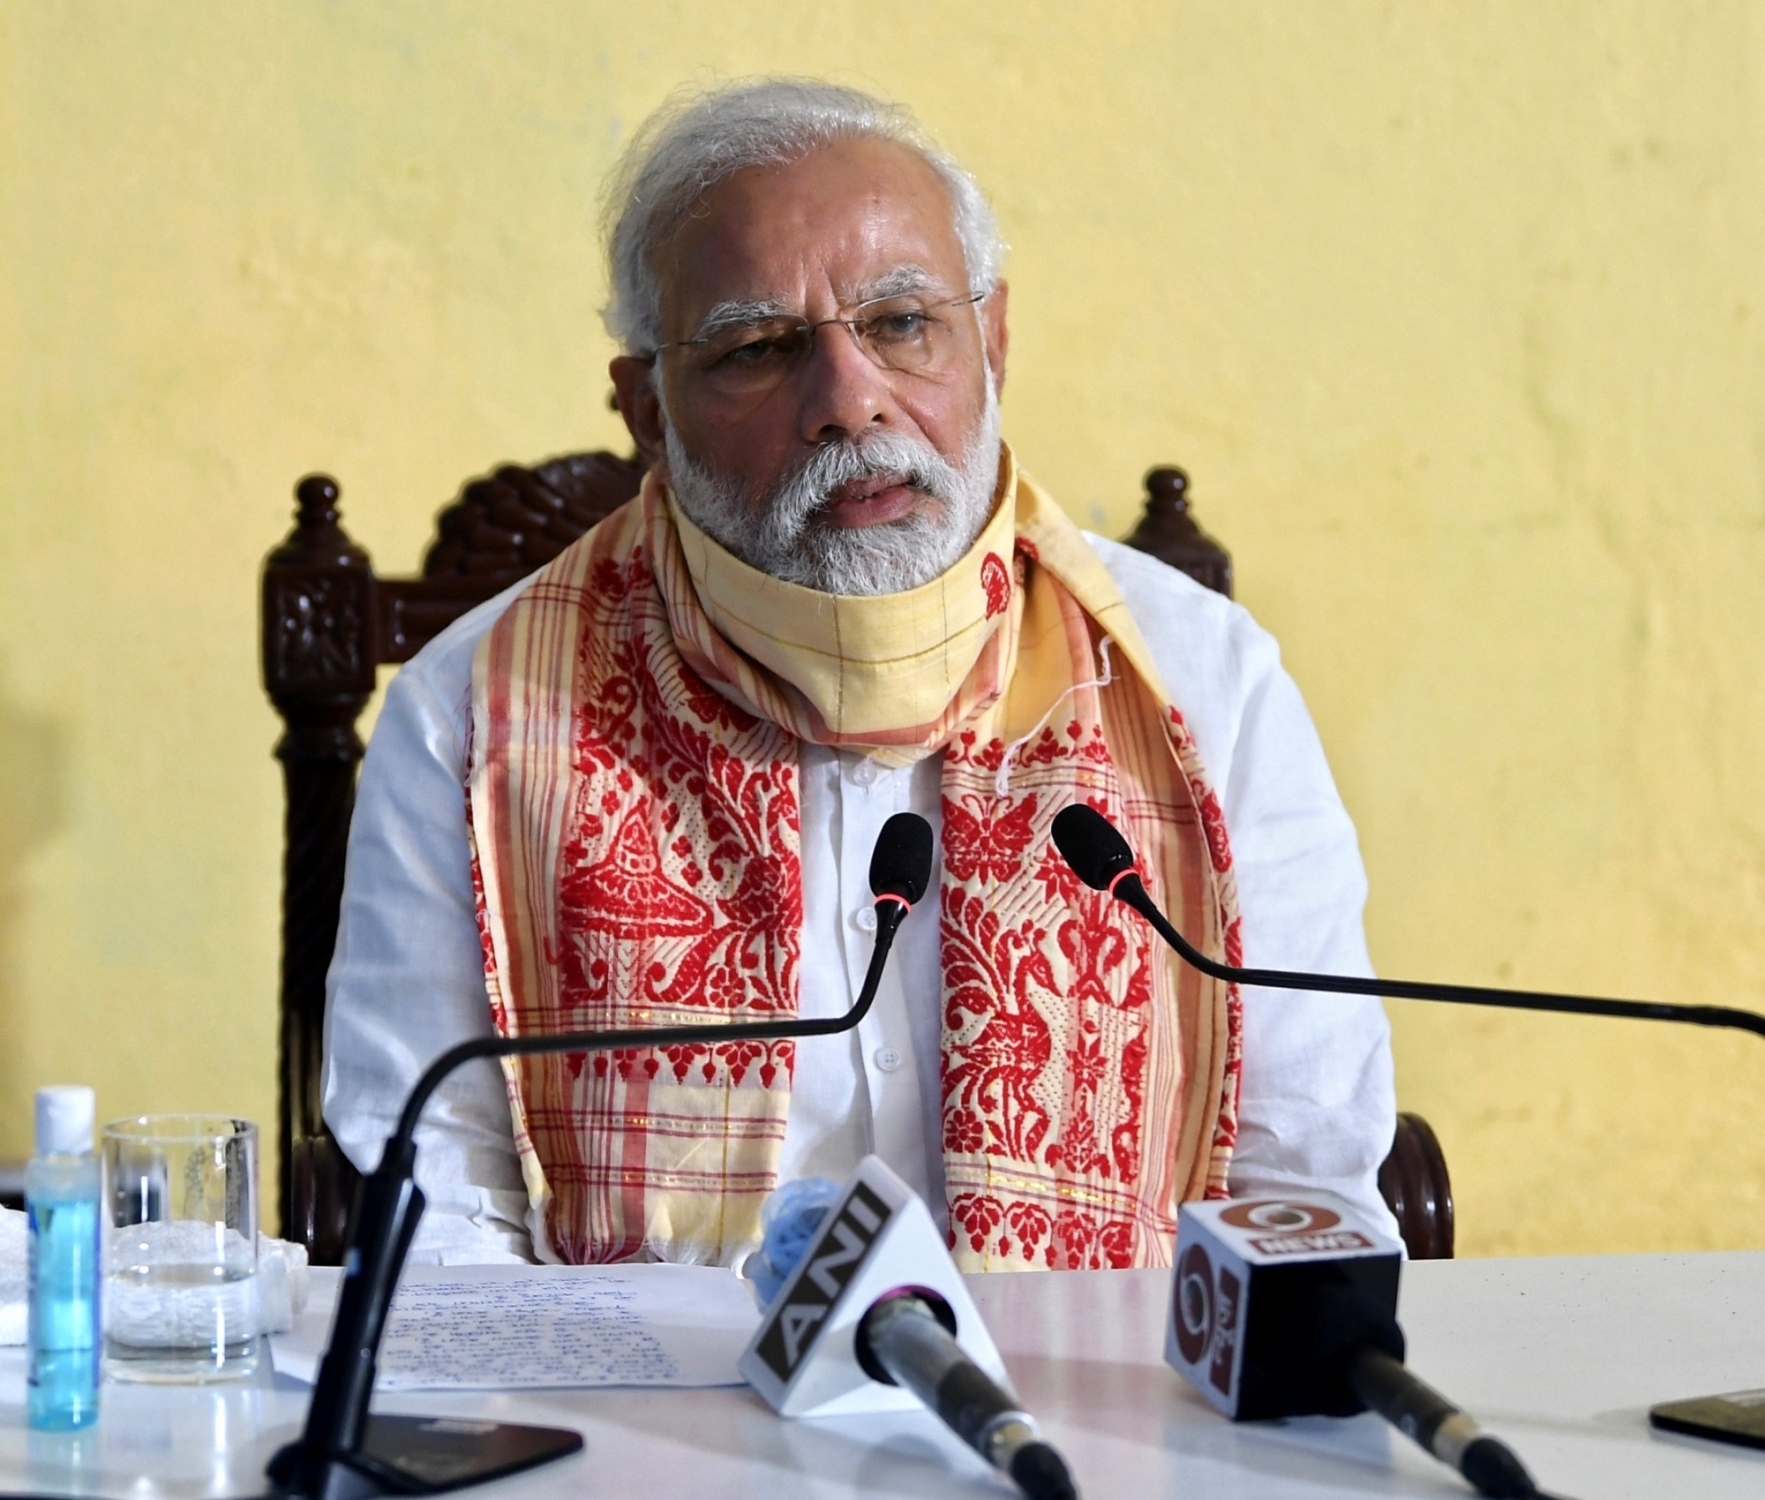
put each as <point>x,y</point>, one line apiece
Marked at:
<point>879,1238</point>
<point>1270,1295</point>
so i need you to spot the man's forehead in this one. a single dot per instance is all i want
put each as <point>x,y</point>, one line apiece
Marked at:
<point>856,219</point>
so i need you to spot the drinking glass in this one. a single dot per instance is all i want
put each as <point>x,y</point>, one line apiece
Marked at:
<point>180,1255</point>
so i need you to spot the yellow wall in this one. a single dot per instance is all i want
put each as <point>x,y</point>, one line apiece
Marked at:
<point>1453,311</point>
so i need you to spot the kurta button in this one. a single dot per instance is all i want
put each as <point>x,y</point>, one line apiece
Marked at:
<point>865,772</point>
<point>888,1059</point>
<point>865,917</point>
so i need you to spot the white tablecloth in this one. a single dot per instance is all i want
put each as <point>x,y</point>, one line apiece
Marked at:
<point>1561,1357</point>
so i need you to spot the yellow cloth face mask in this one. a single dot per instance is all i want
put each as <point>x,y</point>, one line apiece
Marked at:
<point>866,667</point>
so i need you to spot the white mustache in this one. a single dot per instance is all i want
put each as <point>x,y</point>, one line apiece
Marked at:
<point>800,496</point>
<point>776,533</point>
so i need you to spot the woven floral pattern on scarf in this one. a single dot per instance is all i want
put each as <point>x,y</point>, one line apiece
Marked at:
<point>633,801</point>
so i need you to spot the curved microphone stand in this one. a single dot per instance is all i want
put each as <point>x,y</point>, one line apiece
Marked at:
<point>343,1453</point>
<point>1102,858</point>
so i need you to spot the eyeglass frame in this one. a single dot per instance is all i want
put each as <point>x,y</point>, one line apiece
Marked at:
<point>810,329</point>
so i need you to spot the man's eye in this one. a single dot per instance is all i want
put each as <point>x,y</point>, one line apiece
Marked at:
<point>894,328</point>
<point>752,352</point>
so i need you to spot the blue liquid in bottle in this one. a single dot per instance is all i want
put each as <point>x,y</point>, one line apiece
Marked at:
<point>62,1196</point>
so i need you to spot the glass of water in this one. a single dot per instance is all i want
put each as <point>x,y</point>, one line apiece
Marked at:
<point>180,1252</point>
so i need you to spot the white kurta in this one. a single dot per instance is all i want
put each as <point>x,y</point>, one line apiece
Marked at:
<point>1316,1107</point>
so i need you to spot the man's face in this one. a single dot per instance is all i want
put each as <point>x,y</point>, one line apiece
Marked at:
<point>817,240</point>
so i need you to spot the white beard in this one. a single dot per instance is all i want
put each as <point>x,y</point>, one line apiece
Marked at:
<point>790,543</point>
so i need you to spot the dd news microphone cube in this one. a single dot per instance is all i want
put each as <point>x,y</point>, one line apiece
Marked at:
<point>878,1239</point>
<point>1271,1294</point>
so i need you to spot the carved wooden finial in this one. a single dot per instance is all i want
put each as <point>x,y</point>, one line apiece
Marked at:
<point>1169,532</point>
<point>1168,487</point>
<point>318,538</point>
<point>317,494</point>
<point>319,624</point>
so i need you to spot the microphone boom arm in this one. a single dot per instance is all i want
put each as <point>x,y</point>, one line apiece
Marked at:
<point>641,1036</point>
<point>331,1461</point>
<point>1129,889</point>
<point>1096,852</point>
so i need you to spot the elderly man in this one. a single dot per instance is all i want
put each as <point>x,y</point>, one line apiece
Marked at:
<point>642,787</point>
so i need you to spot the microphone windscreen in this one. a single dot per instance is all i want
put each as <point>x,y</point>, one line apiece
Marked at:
<point>901,863</point>
<point>1092,845</point>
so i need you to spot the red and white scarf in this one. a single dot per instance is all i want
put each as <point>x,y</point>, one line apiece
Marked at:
<point>633,800</point>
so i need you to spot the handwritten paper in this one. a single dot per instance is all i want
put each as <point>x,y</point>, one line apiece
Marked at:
<point>517,1327</point>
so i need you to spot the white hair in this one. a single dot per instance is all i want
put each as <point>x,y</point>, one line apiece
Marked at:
<point>701,137</point>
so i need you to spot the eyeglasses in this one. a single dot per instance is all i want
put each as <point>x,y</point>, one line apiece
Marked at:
<point>912,334</point>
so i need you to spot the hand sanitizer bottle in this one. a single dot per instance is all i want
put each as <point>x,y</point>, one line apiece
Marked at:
<point>62,1197</point>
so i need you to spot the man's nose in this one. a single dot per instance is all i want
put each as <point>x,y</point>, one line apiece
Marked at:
<point>841,389</point>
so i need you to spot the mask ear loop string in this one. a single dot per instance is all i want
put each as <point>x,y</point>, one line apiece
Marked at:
<point>1105,676</point>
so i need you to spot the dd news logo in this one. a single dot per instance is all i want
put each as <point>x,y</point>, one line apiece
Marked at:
<point>1208,1307</point>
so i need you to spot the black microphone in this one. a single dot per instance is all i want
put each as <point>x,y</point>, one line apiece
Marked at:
<point>1098,854</point>
<point>1386,1386</point>
<point>1101,857</point>
<point>344,1454</point>
<point>901,863</point>
<point>1287,1307</point>
<point>902,1341</point>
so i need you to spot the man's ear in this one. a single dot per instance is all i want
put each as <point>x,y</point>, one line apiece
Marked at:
<point>634,389</point>
<point>995,332</point>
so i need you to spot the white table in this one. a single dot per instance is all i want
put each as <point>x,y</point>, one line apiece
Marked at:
<point>1561,1357</point>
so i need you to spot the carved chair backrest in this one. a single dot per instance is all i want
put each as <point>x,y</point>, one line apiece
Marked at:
<point>329,622</point>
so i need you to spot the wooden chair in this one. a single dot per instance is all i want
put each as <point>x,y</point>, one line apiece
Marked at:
<point>329,621</point>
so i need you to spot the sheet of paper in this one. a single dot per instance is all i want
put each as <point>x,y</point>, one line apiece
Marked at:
<point>510,1327</point>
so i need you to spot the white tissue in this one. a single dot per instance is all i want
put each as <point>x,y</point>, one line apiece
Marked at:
<point>179,1284</point>
<point>13,1252</point>
<point>159,1316</point>
<point>285,1282</point>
